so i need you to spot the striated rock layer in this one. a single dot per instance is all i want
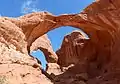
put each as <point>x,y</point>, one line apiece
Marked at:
<point>99,54</point>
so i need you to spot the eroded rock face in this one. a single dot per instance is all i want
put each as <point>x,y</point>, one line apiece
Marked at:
<point>19,68</point>
<point>78,60</point>
<point>12,35</point>
<point>75,48</point>
<point>79,55</point>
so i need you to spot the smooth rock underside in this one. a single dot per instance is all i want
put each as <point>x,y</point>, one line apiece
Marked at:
<point>79,60</point>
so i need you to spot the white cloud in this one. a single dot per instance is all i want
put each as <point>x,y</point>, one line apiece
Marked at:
<point>29,6</point>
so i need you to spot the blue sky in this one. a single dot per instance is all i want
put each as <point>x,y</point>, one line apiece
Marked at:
<point>15,8</point>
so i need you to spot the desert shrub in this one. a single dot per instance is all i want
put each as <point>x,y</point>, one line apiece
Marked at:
<point>3,80</point>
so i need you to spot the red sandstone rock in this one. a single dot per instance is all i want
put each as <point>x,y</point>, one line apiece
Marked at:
<point>16,66</point>
<point>53,68</point>
<point>75,48</point>
<point>19,68</point>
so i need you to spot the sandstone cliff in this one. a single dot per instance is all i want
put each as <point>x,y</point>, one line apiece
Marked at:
<point>74,48</point>
<point>16,66</point>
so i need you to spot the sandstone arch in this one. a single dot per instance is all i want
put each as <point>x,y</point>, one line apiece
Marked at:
<point>99,21</point>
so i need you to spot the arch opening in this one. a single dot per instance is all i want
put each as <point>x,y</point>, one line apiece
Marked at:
<point>41,57</point>
<point>56,37</point>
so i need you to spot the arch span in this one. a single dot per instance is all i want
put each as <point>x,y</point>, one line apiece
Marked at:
<point>94,21</point>
<point>41,23</point>
<point>100,22</point>
<point>36,24</point>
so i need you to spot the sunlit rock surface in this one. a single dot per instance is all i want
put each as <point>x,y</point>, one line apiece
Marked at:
<point>19,68</point>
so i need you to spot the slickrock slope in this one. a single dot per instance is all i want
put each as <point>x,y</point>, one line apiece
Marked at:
<point>18,68</point>
<point>100,21</point>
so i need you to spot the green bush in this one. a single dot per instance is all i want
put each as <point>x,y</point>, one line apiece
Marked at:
<point>3,80</point>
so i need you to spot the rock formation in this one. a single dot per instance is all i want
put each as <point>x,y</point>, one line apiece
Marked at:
<point>44,44</point>
<point>80,62</point>
<point>16,66</point>
<point>74,48</point>
<point>100,21</point>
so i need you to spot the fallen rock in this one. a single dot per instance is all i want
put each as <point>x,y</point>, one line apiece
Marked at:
<point>53,68</point>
